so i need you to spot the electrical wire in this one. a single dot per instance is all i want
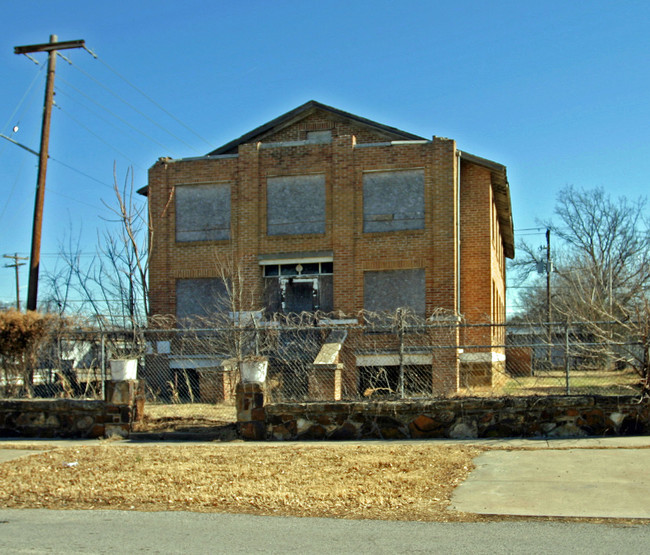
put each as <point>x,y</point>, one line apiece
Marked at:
<point>151,120</point>
<point>17,179</point>
<point>13,188</point>
<point>125,122</point>
<point>55,192</point>
<point>22,100</point>
<point>153,101</point>
<point>97,136</point>
<point>104,184</point>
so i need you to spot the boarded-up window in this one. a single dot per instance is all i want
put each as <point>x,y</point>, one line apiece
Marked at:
<point>324,136</point>
<point>392,289</point>
<point>295,205</point>
<point>393,200</point>
<point>203,212</point>
<point>198,299</point>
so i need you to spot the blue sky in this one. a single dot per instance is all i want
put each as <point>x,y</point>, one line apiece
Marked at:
<point>556,91</point>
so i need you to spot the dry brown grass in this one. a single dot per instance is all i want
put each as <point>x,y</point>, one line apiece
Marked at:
<point>222,412</point>
<point>359,481</point>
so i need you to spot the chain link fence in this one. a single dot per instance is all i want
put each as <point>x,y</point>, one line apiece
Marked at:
<point>191,374</point>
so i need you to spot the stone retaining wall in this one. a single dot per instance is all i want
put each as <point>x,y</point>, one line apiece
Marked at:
<point>73,418</point>
<point>570,416</point>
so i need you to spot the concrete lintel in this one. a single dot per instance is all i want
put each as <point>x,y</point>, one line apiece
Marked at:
<point>481,357</point>
<point>393,359</point>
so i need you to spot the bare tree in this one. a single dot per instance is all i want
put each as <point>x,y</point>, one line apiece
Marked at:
<point>112,286</point>
<point>600,273</point>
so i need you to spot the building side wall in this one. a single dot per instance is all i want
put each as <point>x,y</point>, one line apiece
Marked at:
<point>476,256</point>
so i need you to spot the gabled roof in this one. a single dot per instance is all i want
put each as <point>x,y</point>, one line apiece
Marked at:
<point>301,112</point>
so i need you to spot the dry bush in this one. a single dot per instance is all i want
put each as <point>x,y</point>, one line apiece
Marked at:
<point>22,335</point>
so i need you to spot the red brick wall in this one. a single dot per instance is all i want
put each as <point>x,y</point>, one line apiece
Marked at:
<point>433,248</point>
<point>482,261</point>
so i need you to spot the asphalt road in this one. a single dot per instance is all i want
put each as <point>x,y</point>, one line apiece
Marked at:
<point>44,531</point>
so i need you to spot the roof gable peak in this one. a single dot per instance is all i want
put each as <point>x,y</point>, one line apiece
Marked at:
<point>308,108</point>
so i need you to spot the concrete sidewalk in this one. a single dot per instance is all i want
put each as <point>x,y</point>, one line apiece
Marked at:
<point>578,482</point>
<point>587,477</point>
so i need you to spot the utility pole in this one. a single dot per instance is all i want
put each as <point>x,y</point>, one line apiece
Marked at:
<point>15,265</point>
<point>549,314</point>
<point>35,257</point>
<point>548,275</point>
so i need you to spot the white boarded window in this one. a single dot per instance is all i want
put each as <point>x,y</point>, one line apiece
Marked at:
<point>295,205</point>
<point>203,212</point>
<point>393,200</point>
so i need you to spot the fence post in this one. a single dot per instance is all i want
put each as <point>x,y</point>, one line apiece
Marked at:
<point>566,358</point>
<point>103,357</point>
<point>400,335</point>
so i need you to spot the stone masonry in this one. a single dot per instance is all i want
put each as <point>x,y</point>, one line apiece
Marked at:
<point>75,418</point>
<point>541,417</point>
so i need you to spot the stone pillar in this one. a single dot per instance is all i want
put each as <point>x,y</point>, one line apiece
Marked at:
<point>124,404</point>
<point>251,416</point>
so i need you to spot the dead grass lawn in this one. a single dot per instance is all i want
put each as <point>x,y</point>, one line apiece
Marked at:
<point>371,481</point>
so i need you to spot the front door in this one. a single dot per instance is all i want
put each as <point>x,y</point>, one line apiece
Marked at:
<point>299,295</point>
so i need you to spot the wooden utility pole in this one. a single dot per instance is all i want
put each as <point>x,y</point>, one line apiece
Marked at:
<point>549,312</point>
<point>15,265</point>
<point>35,257</point>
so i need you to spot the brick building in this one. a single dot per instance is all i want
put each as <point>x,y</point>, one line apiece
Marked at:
<point>326,210</point>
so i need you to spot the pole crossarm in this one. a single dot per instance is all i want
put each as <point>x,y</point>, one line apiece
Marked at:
<point>49,47</point>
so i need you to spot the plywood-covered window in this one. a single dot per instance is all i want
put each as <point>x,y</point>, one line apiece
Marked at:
<point>203,212</point>
<point>198,299</point>
<point>393,200</point>
<point>295,205</point>
<point>388,290</point>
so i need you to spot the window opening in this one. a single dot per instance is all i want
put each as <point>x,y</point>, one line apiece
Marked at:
<point>299,287</point>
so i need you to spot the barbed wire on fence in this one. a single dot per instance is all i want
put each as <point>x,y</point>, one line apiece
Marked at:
<point>192,372</point>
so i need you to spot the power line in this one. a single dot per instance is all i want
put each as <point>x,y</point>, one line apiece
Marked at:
<point>95,134</point>
<point>54,192</point>
<point>125,122</point>
<point>153,101</point>
<point>22,100</point>
<point>151,120</point>
<point>104,184</point>
<point>13,188</point>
